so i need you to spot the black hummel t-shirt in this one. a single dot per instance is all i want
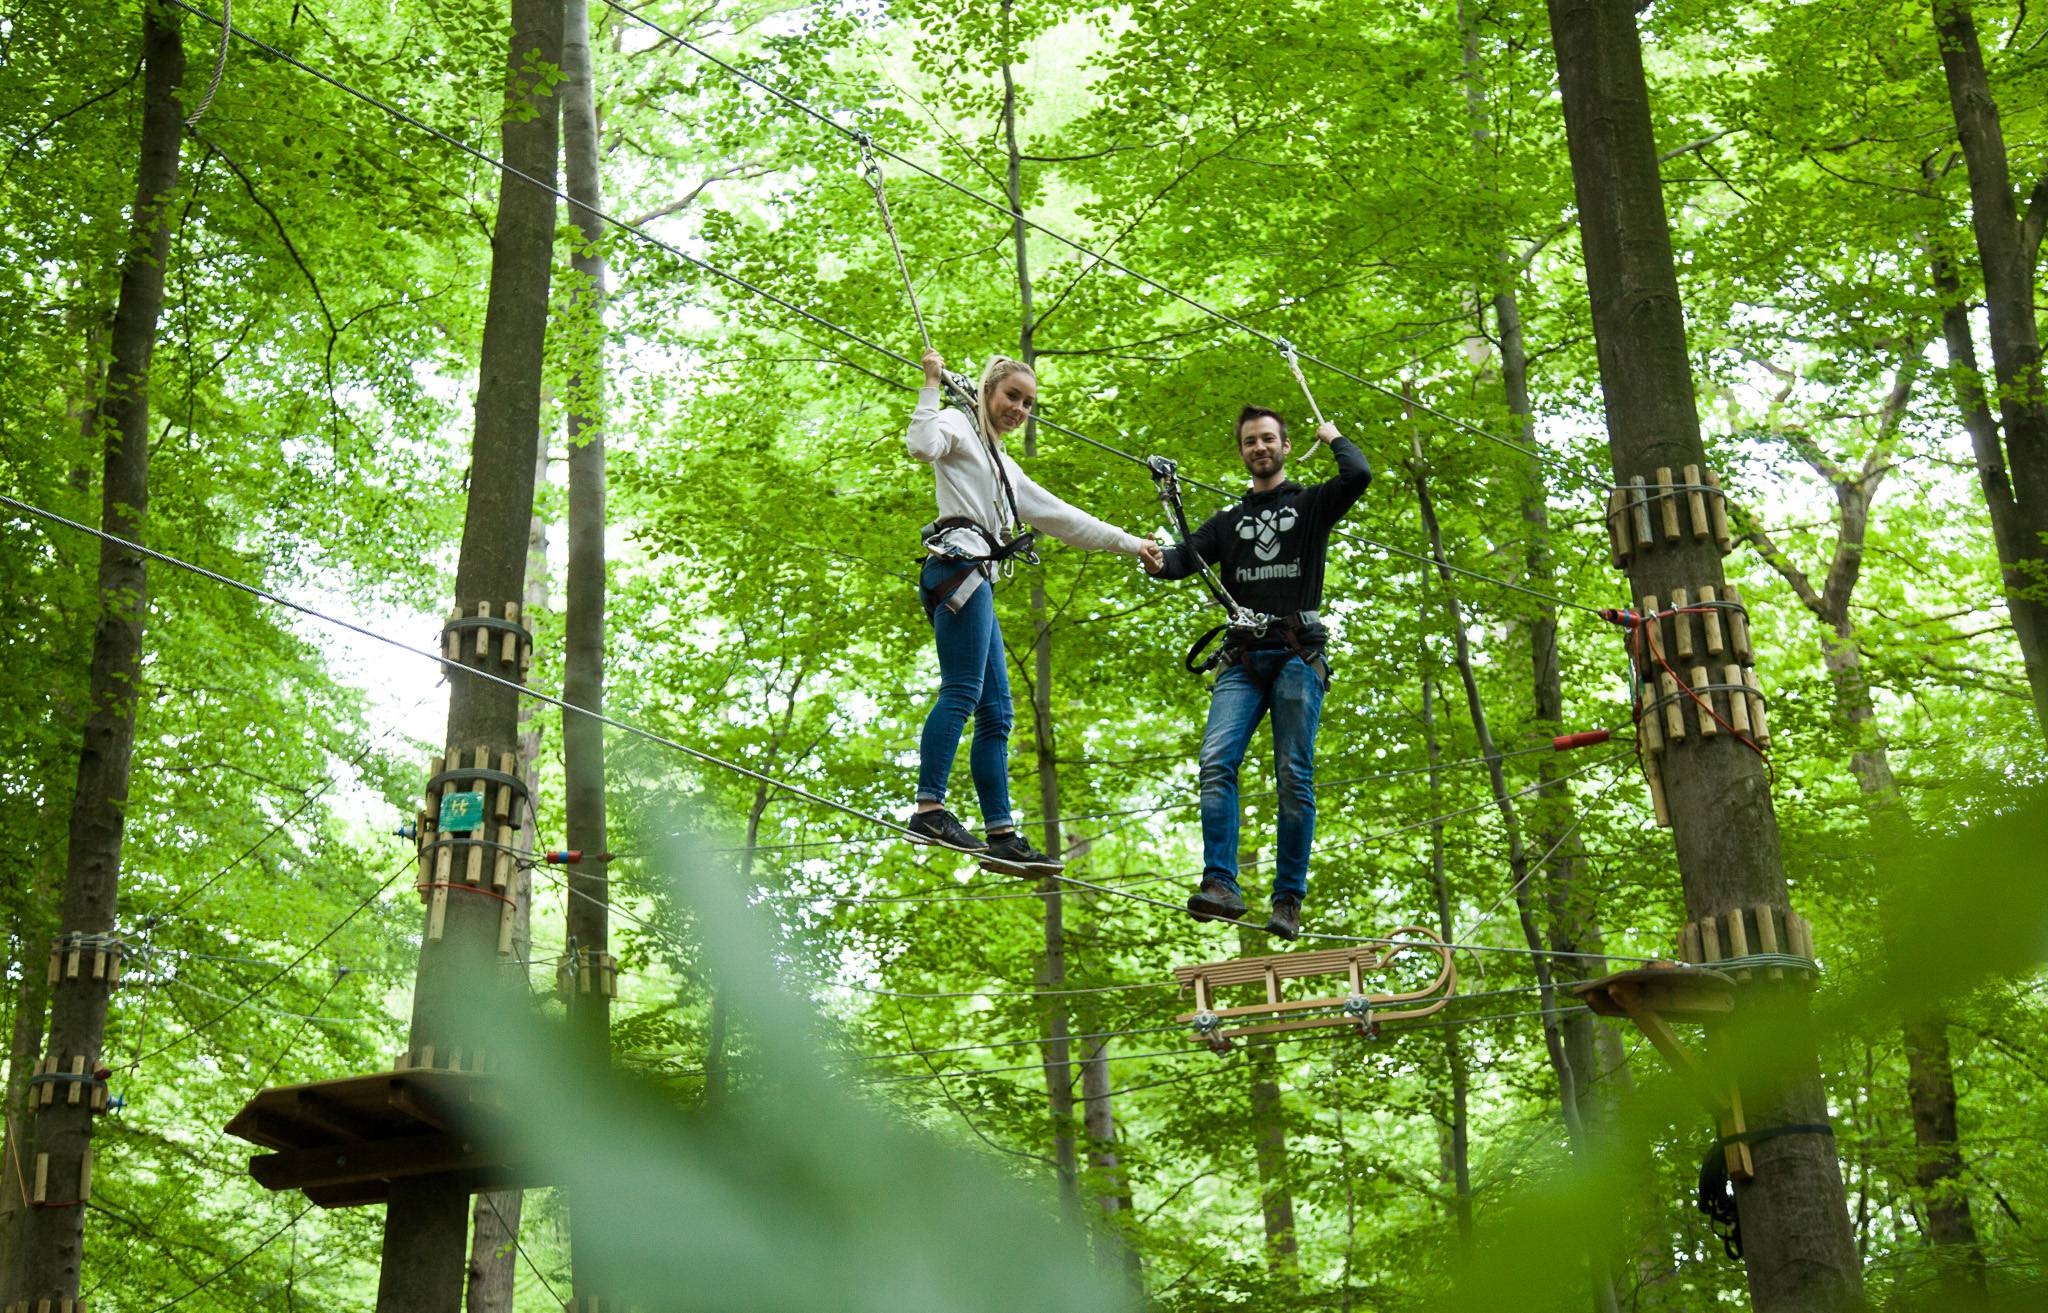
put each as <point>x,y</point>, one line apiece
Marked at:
<point>1270,548</point>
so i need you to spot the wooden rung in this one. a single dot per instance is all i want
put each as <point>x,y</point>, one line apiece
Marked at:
<point>508,648</point>
<point>1696,503</point>
<point>1709,727</point>
<point>501,866</point>
<point>1640,505</point>
<point>1717,509</point>
<point>1681,625</point>
<point>506,918</point>
<point>85,1174</point>
<point>1756,710</point>
<point>483,636</point>
<point>1617,528</point>
<point>76,1087</point>
<point>1653,635</point>
<point>452,649</point>
<point>1667,501</point>
<point>437,913</point>
<point>1738,705</point>
<point>1801,934</point>
<point>1647,723</point>
<point>503,805</point>
<point>1710,940</point>
<point>1654,773</point>
<point>1738,934</point>
<point>1689,940</point>
<point>1738,627</point>
<point>1711,621</point>
<point>42,1190</point>
<point>1674,713</point>
<point>1767,935</point>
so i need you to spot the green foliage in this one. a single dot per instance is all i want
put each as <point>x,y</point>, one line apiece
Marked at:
<point>1363,179</point>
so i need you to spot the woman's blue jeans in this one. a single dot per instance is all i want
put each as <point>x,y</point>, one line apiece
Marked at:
<point>1280,682</point>
<point>972,680</point>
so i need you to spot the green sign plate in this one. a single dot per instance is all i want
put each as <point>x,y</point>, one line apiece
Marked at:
<point>461,812</point>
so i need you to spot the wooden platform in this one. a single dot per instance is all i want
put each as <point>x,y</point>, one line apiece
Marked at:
<point>1655,996</point>
<point>1352,963</point>
<point>343,1142</point>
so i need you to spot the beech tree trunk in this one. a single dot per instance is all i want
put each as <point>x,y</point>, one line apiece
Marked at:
<point>1269,1138</point>
<point>1795,1221</point>
<point>1052,975</point>
<point>459,983</point>
<point>589,910</point>
<point>494,1221</point>
<point>1457,1136</point>
<point>2013,471</point>
<point>51,1235</point>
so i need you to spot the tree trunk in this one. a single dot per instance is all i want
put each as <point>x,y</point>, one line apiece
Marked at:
<point>1458,1139</point>
<point>1598,1272</point>
<point>1795,1221</point>
<point>494,1221</point>
<point>588,912</point>
<point>1052,975</point>
<point>1269,1138</point>
<point>52,1234</point>
<point>459,984</point>
<point>2014,475</point>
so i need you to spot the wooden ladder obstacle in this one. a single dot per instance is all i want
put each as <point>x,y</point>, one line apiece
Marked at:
<point>1357,1008</point>
<point>345,1142</point>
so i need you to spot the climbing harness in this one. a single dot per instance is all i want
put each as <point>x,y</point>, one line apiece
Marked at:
<point>1244,625</point>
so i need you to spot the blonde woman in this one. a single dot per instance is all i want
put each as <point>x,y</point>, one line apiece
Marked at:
<point>984,502</point>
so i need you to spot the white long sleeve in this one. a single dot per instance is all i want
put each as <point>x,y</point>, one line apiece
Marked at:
<point>932,436</point>
<point>1070,524</point>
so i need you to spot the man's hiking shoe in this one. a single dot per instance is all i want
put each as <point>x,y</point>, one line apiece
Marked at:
<point>942,829</point>
<point>1286,918</point>
<point>1013,855</point>
<point>1215,901</point>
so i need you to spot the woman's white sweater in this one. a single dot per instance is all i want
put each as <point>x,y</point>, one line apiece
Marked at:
<point>944,439</point>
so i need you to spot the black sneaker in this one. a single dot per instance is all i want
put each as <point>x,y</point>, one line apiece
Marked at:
<point>942,829</point>
<point>1216,901</point>
<point>1012,854</point>
<point>1286,918</point>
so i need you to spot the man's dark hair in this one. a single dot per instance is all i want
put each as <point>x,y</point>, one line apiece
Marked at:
<point>1250,413</point>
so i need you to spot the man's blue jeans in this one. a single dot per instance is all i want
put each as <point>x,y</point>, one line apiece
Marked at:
<point>973,679</point>
<point>1280,682</point>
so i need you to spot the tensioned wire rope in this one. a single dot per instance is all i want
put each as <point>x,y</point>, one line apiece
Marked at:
<point>1067,818</point>
<point>850,335</point>
<point>675,745</point>
<point>1101,259</point>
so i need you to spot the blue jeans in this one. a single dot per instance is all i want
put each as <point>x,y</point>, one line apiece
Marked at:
<point>1280,682</point>
<point>972,679</point>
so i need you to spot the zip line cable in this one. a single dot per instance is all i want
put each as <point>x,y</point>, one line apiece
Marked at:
<point>792,307</point>
<point>626,727</point>
<point>867,144</point>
